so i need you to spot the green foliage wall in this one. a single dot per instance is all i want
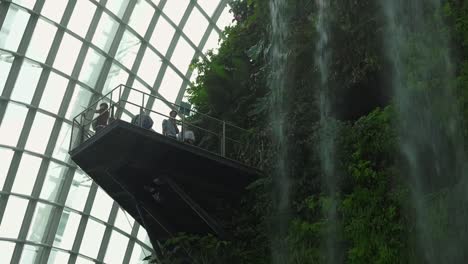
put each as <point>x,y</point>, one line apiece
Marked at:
<point>374,216</point>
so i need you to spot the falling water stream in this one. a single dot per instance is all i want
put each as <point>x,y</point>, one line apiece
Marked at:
<point>277,83</point>
<point>326,148</point>
<point>430,133</point>
<point>428,121</point>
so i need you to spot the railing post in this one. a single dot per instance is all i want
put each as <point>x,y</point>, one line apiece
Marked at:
<point>119,107</point>
<point>71,137</point>
<point>223,140</point>
<point>111,106</point>
<point>182,137</point>
<point>82,136</point>
<point>141,109</point>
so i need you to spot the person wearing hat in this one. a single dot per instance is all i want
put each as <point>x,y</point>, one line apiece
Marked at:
<point>169,126</point>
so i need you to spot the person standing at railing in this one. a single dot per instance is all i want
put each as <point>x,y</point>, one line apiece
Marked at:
<point>101,121</point>
<point>169,126</point>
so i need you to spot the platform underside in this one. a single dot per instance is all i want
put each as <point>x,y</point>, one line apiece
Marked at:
<point>195,191</point>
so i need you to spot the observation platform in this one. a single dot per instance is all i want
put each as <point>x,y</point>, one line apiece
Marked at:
<point>168,186</point>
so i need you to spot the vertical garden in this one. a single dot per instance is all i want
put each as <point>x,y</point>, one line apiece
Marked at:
<point>379,90</point>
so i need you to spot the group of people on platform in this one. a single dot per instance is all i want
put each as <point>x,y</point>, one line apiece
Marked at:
<point>169,126</point>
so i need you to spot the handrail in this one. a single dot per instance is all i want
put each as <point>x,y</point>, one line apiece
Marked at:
<point>122,103</point>
<point>161,99</point>
<point>191,124</point>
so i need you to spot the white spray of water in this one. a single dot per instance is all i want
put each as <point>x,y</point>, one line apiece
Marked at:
<point>327,147</point>
<point>277,83</point>
<point>430,134</point>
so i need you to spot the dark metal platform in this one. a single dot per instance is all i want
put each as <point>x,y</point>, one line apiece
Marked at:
<point>195,191</point>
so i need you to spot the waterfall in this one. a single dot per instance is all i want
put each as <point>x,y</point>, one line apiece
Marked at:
<point>277,84</point>
<point>326,148</point>
<point>430,132</point>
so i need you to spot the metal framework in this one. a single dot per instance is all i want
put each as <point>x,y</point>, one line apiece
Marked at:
<point>53,218</point>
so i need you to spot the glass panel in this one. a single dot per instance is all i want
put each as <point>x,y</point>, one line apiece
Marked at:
<point>128,49</point>
<point>67,54</point>
<point>141,17</point>
<point>226,19</point>
<point>58,257</point>
<point>92,66</point>
<point>13,28</point>
<point>136,97</point>
<point>12,123</point>
<point>40,133</point>
<point>7,251</point>
<point>183,55</point>
<point>5,158</point>
<point>26,175</point>
<point>5,64</point>
<point>162,35</point>
<point>212,43</point>
<point>116,249</point>
<point>41,40</point>
<point>125,117</point>
<point>29,254</point>
<point>56,174</point>
<point>102,205</point>
<point>208,5</point>
<point>156,2</point>
<point>149,67</point>
<point>81,17</point>
<point>26,82</point>
<point>79,102</point>
<point>39,222</point>
<point>124,221</point>
<point>63,141</point>
<point>117,6</point>
<point>13,217</point>
<point>175,10</point>
<point>53,93</point>
<point>92,239</point>
<point>26,3</point>
<point>138,254</point>
<point>170,85</point>
<point>196,26</point>
<point>81,260</point>
<point>78,191</point>
<point>116,76</point>
<point>54,10</point>
<point>66,230</point>
<point>133,98</point>
<point>105,32</point>
<point>143,236</point>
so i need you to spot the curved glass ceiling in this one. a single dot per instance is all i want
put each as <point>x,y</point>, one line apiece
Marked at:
<point>56,57</point>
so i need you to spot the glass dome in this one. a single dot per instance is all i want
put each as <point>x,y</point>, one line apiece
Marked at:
<point>56,58</point>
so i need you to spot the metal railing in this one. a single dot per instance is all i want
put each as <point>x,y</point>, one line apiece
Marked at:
<point>134,106</point>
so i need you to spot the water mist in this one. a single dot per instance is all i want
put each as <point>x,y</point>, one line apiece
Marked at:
<point>327,134</point>
<point>277,83</point>
<point>430,132</point>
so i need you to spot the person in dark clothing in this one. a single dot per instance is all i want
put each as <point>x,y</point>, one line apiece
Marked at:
<point>169,126</point>
<point>101,121</point>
